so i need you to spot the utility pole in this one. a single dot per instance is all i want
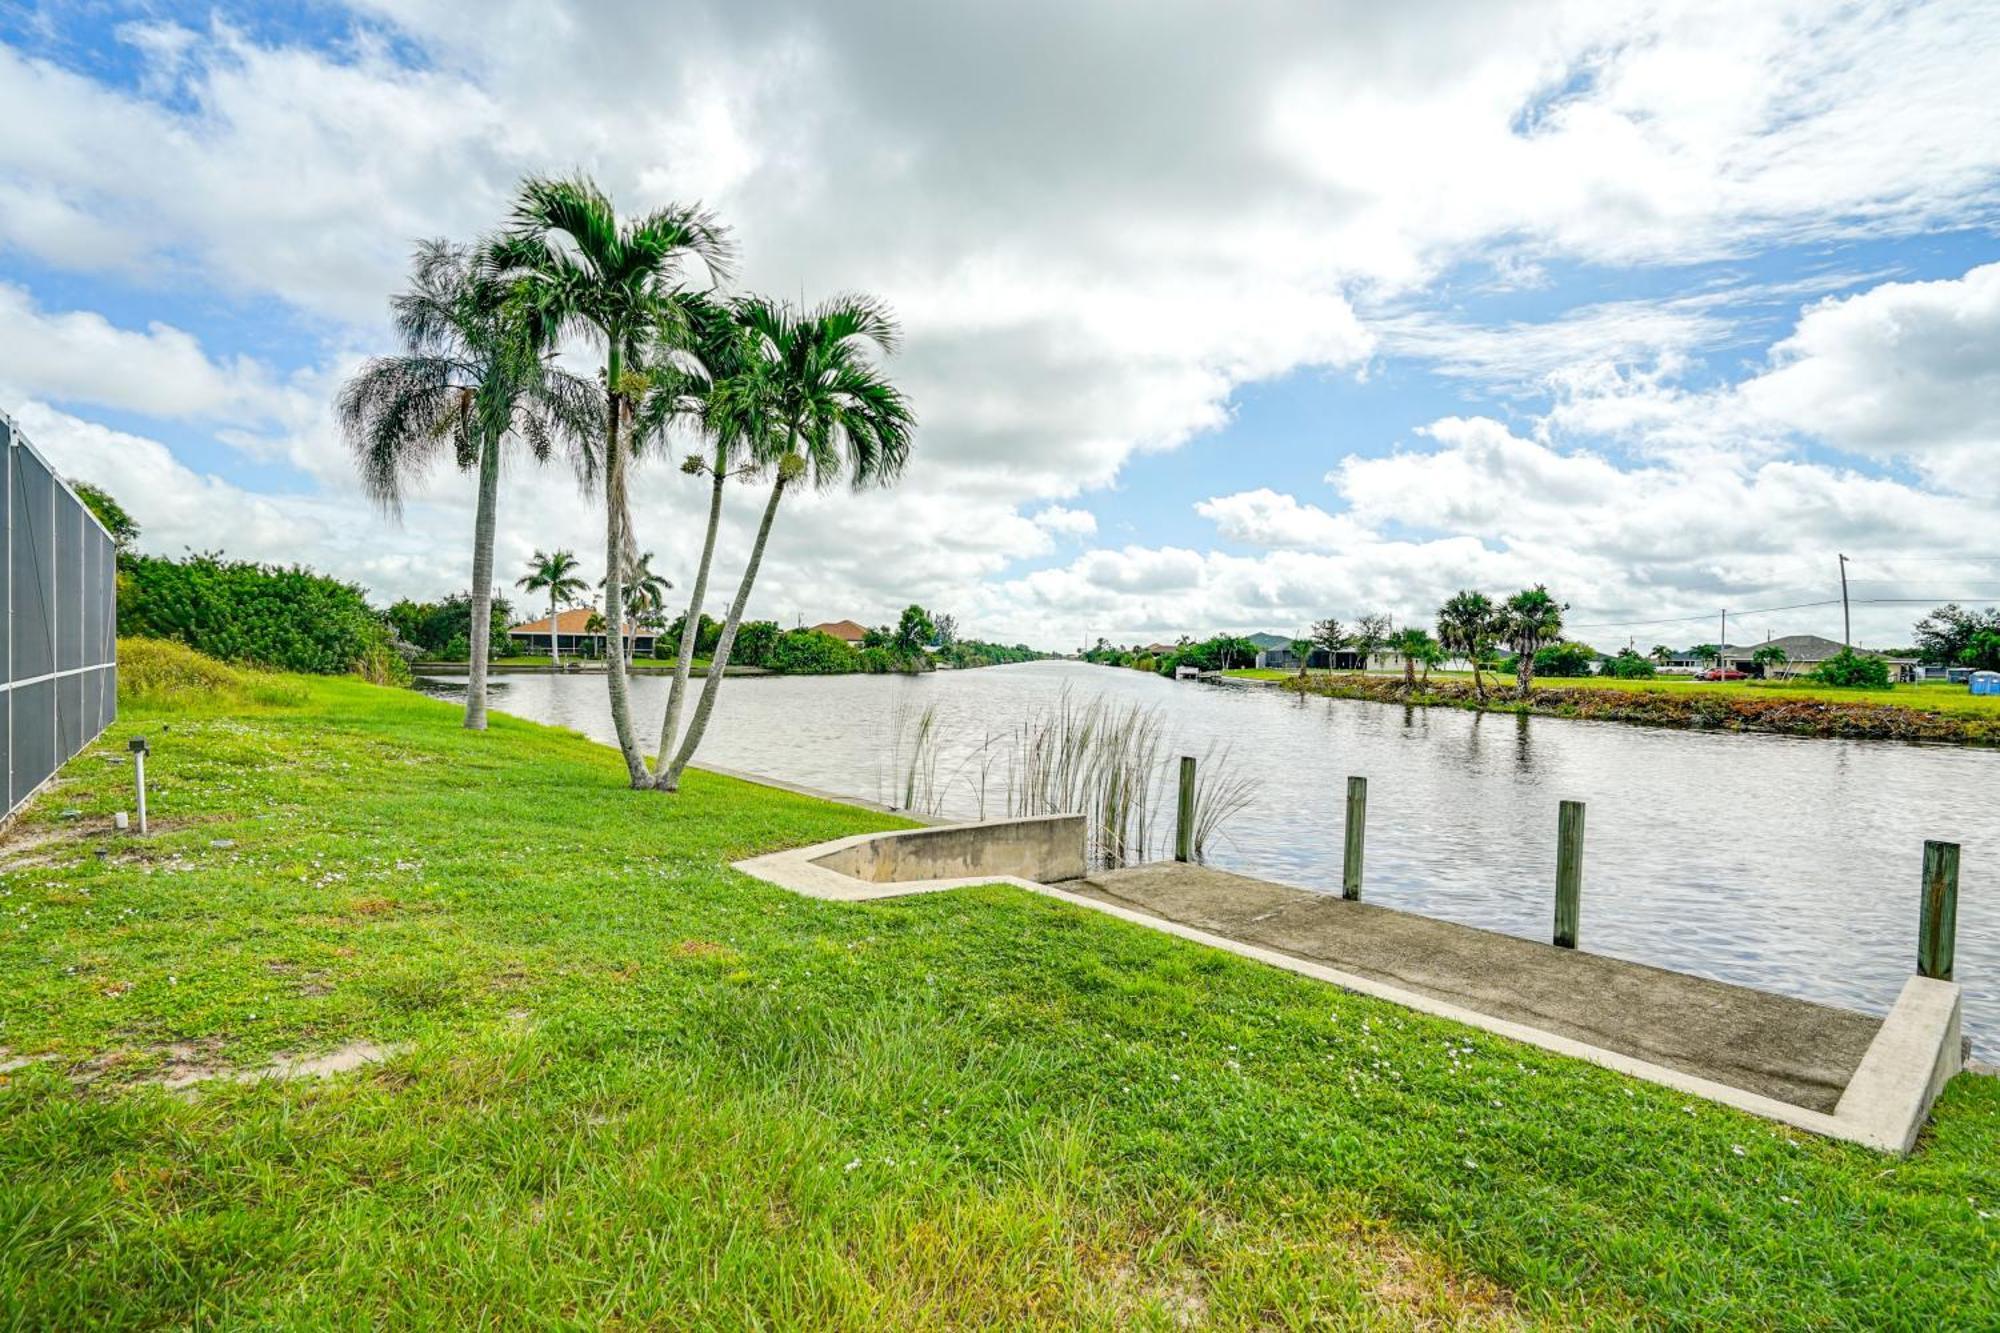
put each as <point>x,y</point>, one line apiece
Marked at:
<point>1846,622</point>
<point>1721,643</point>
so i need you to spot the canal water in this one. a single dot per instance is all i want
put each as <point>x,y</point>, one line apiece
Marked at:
<point>1787,864</point>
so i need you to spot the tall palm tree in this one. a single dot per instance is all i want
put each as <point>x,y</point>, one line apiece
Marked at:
<point>555,574</point>
<point>809,403</point>
<point>573,267</point>
<point>645,597</point>
<point>467,381</point>
<point>699,395</point>
<point>1466,627</point>
<point>1529,620</point>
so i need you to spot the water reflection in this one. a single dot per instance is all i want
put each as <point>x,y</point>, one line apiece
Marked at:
<point>1780,862</point>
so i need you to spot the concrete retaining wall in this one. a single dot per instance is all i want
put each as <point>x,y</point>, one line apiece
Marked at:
<point>1043,848</point>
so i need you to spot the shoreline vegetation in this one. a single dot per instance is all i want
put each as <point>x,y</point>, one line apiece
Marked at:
<point>598,1074</point>
<point>1694,706</point>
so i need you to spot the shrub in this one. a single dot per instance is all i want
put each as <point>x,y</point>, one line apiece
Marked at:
<point>754,641</point>
<point>163,673</point>
<point>1628,665</point>
<point>1852,670</point>
<point>1565,660</point>
<point>287,619</point>
<point>811,652</point>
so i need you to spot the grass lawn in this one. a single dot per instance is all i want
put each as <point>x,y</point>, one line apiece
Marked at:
<point>1930,697</point>
<point>633,1087</point>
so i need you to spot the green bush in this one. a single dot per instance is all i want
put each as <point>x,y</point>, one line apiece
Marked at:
<point>443,630</point>
<point>1628,665</point>
<point>754,641</point>
<point>1570,660</point>
<point>811,652</point>
<point>286,619</point>
<point>1852,670</point>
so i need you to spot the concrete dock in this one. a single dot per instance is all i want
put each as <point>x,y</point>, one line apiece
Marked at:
<point>1792,1050</point>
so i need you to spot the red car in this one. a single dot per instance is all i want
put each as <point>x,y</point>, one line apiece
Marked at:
<point>1720,673</point>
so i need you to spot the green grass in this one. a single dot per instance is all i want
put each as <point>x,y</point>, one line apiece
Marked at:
<point>641,1089</point>
<point>1927,697</point>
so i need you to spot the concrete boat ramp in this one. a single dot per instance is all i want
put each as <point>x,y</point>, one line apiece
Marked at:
<point>1831,1071</point>
<point>1793,1050</point>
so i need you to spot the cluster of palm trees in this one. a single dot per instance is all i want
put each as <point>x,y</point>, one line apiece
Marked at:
<point>1470,625</point>
<point>773,391</point>
<point>556,574</point>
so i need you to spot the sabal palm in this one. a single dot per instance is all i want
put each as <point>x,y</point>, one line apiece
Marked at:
<point>466,382</point>
<point>572,267</point>
<point>809,403</point>
<point>1413,645</point>
<point>553,572</point>
<point>1466,627</point>
<point>1529,620</point>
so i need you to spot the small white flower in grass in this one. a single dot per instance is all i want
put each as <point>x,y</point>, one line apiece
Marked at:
<point>853,1165</point>
<point>1175,1077</point>
<point>1471,1165</point>
<point>1737,1148</point>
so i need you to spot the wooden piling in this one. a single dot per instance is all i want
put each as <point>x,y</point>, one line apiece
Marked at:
<point>1357,833</point>
<point>1569,872</point>
<point>1184,818</point>
<point>1937,926</point>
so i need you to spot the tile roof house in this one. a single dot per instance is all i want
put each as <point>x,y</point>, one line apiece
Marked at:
<point>844,630</point>
<point>574,635</point>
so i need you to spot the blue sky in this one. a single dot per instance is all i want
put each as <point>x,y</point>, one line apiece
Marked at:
<point>1329,312</point>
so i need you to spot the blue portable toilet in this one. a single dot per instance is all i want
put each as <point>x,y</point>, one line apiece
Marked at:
<point>1986,682</point>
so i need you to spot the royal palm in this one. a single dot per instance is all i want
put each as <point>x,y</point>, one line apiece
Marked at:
<point>809,404</point>
<point>574,268</point>
<point>553,572</point>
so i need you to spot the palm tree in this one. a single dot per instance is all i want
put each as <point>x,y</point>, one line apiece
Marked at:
<point>572,267</point>
<point>1413,645</point>
<point>1770,657</point>
<point>555,574</point>
<point>1661,653</point>
<point>466,382</point>
<point>808,400</point>
<point>1466,627</point>
<point>1528,620</point>
<point>690,395</point>
<point>645,597</point>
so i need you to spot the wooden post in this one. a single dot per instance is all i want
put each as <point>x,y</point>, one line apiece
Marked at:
<point>1357,833</point>
<point>1184,821</point>
<point>1569,872</point>
<point>1937,929</point>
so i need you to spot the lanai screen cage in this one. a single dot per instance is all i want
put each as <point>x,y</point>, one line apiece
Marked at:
<point>59,638</point>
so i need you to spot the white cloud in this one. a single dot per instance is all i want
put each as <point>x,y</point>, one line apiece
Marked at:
<point>1097,232</point>
<point>1061,521</point>
<point>1906,369</point>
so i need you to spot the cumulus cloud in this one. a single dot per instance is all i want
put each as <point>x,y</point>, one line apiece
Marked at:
<point>1097,232</point>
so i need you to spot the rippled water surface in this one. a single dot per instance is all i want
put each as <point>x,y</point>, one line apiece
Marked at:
<point>1787,864</point>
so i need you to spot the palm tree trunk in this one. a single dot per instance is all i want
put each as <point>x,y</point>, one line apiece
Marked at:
<point>719,661</point>
<point>1524,674</point>
<point>614,577</point>
<point>1409,672</point>
<point>555,651</point>
<point>483,525</point>
<point>690,630</point>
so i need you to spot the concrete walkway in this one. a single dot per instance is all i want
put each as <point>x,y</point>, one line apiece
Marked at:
<point>1792,1050</point>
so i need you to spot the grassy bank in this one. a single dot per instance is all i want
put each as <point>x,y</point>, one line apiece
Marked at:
<point>1908,712</point>
<point>633,1087</point>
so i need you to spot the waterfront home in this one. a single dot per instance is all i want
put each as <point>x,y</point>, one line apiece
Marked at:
<point>845,630</point>
<point>1803,655</point>
<point>578,634</point>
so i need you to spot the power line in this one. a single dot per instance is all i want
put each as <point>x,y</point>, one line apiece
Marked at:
<point>1796,606</point>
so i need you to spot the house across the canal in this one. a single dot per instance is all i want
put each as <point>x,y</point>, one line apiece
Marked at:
<point>579,633</point>
<point>847,631</point>
<point>1803,655</point>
